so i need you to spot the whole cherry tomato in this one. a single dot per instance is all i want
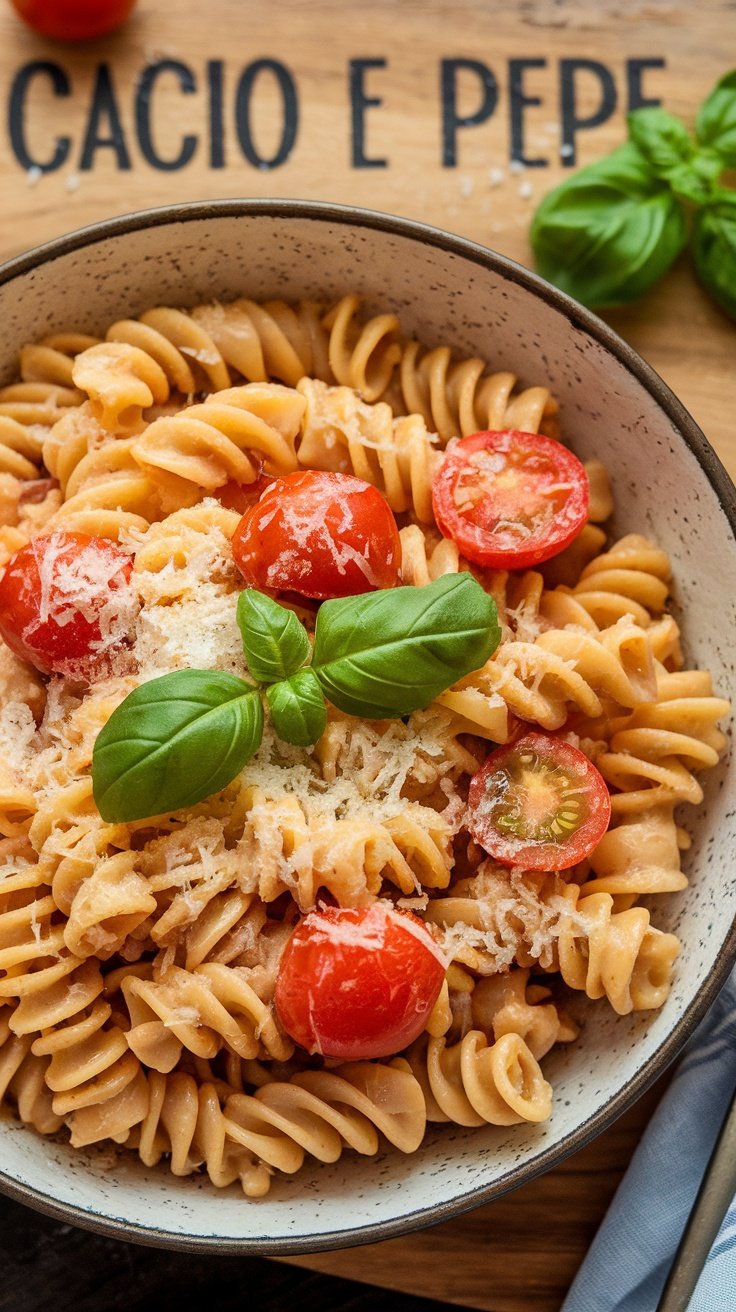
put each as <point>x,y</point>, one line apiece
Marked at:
<point>357,983</point>
<point>320,535</point>
<point>510,499</point>
<point>73,20</point>
<point>66,602</point>
<point>538,803</point>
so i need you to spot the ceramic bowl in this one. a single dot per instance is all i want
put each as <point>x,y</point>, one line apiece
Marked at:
<point>668,484</point>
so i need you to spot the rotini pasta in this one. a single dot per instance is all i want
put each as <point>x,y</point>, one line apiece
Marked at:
<point>141,961</point>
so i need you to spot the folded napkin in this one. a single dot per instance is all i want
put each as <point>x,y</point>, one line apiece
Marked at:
<point>628,1263</point>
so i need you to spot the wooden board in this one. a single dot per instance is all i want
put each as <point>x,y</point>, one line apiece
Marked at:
<point>462,114</point>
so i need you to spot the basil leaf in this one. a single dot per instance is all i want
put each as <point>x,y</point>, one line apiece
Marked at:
<point>298,710</point>
<point>672,154</point>
<point>716,121</point>
<point>387,653</point>
<point>606,235</point>
<point>714,250</point>
<point>274,640</point>
<point>174,741</point>
<point>663,140</point>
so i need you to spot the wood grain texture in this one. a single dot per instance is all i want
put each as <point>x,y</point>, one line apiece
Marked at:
<point>522,1251</point>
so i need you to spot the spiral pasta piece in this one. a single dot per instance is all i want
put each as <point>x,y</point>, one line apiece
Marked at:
<point>617,955</point>
<point>632,578</point>
<point>565,670</point>
<point>321,1112</point>
<point>639,856</point>
<point>350,858</point>
<point>44,394</point>
<point>362,355</point>
<point>109,495</point>
<point>184,1120</point>
<point>425,558</point>
<point>20,448</point>
<point>509,1004</point>
<point>652,753</point>
<point>181,347</point>
<point>203,1009</point>
<point>476,1083</point>
<point>92,1066</point>
<point>22,1079</point>
<point>459,397</point>
<point>340,432</point>
<point>140,362</point>
<point>269,340</point>
<point>31,930</point>
<point>207,444</point>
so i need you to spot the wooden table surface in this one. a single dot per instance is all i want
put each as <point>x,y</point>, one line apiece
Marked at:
<point>462,114</point>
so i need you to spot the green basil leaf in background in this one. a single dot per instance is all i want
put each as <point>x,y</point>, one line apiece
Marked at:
<point>608,233</point>
<point>388,653</point>
<point>714,250</point>
<point>174,741</point>
<point>715,124</point>
<point>663,140</point>
<point>673,156</point>
<point>298,710</point>
<point>697,180</point>
<point>274,640</point>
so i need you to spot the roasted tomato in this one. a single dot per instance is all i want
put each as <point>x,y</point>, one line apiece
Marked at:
<point>538,803</point>
<point>319,535</point>
<point>510,500</point>
<point>66,602</point>
<point>73,20</point>
<point>358,983</point>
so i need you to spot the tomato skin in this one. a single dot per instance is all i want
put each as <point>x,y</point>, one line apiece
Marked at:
<point>73,20</point>
<point>502,797</point>
<point>242,496</point>
<point>40,618</point>
<point>523,473</point>
<point>320,535</point>
<point>357,983</point>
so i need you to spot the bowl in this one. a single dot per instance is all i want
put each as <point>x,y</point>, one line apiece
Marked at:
<point>668,484</point>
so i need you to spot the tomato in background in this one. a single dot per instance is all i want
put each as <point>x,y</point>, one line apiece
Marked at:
<point>539,804</point>
<point>66,602</point>
<point>320,535</point>
<point>356,983</point>
<point>73,20</point>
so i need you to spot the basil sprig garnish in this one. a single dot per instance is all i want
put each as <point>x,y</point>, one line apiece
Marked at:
<point>608,233</point>
<point>177,739</point>
<point>274,641</point>
<point>174,741</point>
<point>387,653</point>
<point>297,708</point>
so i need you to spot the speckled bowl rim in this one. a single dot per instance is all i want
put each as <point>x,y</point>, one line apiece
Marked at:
<point>694,438</point>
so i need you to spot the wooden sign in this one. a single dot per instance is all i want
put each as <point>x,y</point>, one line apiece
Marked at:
<point>462,113</point>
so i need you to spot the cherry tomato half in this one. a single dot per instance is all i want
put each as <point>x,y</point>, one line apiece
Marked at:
<point>66,601</point>
<point>73,20</point>
<point>538,803</point>
<point>510,500</point>
<point>358,983</point>
<point>320,535</point>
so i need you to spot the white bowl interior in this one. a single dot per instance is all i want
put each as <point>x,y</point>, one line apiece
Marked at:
<point>444,295</point>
